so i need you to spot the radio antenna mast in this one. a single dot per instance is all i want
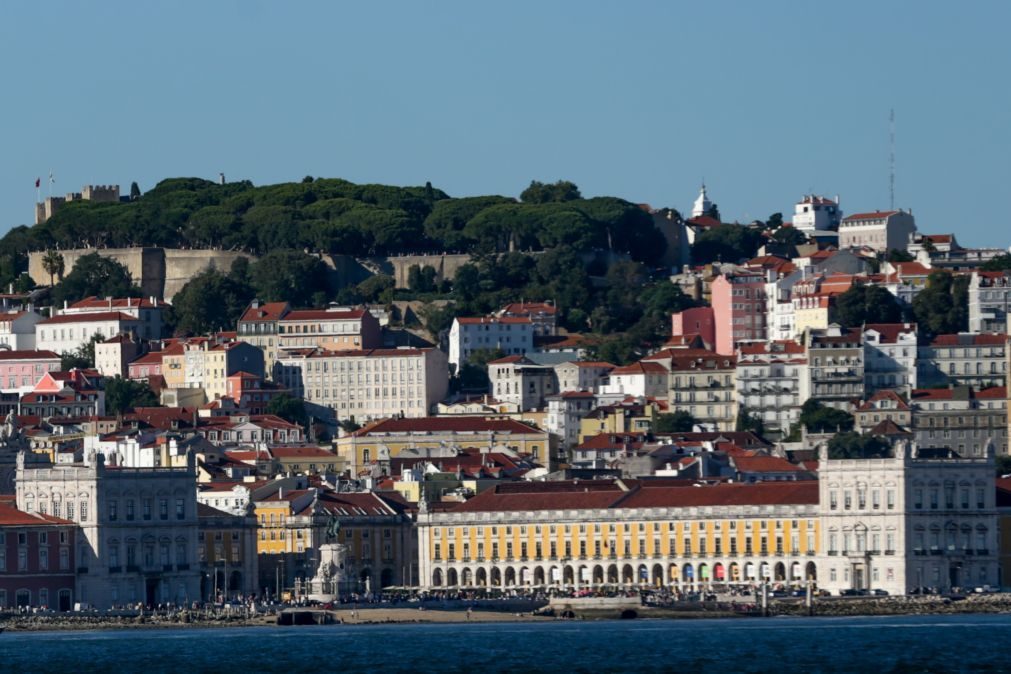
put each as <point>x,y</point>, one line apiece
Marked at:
<point>891,160</point>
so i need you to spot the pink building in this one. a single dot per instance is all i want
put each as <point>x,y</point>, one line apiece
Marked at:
<point>20,371</point>
<point>738,301</point>
<point>36,560</point>
<point>697,321</point>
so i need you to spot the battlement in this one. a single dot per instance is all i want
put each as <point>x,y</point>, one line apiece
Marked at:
<point>101,193</point>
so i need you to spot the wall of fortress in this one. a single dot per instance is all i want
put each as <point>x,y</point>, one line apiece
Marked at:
<point>160,272</point>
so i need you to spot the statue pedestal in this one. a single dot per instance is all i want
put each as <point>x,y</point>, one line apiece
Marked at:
<point>330,579</point>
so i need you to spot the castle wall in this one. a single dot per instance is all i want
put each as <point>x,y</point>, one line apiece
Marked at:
<point>159,272</point>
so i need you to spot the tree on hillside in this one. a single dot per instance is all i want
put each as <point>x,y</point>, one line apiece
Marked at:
<point>790,236</point>
<point>774,222</point>
<point>289,408</point>
<point>897,255</point>
<point>123,395</point>
<point>746,421</point>
<point>95,275</point>
<point>852,445</point>
<point>998,263</point>
<point>866,304</point>
<point>421,279</point>
<point>473,375</point>
<point>726,243</point>
<point>675,422</point>
<point>943,306</point>
<point>288,275</point>
<point>83,357</point>
<point>378,288</point>
<point>52,263</point>
<point>209,302</point>
<point>821,419</point>
<point>542,193</point>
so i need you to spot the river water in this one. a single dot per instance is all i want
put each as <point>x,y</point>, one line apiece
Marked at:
<point>880,645</point>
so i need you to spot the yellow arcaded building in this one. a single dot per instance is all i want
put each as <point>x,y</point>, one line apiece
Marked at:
<point>587,534</point>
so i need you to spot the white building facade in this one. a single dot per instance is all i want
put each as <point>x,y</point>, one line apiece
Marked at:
<point>510,335</point>
<point>138,527</point>
<point>890,352</point>
<point>880,230</point>
<point>66,334</point>
<point>907,522</point>
<point>372,384</point>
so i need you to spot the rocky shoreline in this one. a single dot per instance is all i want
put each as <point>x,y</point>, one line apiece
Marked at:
<point>830,607</point>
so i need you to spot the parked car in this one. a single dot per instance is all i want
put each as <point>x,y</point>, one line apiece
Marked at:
<point>877,592</point>
<point>852,592</point>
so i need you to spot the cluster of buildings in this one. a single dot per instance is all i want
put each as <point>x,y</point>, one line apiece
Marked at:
<point>693,466</point>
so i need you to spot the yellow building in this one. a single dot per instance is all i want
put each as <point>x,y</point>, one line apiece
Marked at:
<point>379,533</point>
<point>594,533</point>
<point>624,417</point>
<point>810,313</point>
<point>290,527</point>
<point>379,442</point>
<point>226,545</point>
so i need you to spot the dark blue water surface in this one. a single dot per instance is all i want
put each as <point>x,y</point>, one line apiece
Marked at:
<point>879,645</point>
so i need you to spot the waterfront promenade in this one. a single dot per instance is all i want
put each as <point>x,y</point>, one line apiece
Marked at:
<point>510,611</point>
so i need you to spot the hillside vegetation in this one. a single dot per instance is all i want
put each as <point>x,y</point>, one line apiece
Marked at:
<point>339,217</point>
<point>624,309</point>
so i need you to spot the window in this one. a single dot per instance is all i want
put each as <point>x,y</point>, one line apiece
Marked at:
<point>113,511</point>
<point>147,509</point>
<point>180,509</point>
<point>163,508</point>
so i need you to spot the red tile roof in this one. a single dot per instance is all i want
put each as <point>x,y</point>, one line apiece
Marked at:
<point>576,495</point>
<point>478,320</point>
<point>803,492</point>
<point>876,215</point>
<point>642,367</point>
<point>323,315</point>
<point>302,453</point>
<point>89,318</point>
<point>11,516</point>
<point>885,394</point>
<point>890,331</point>
<point>94,302</point>
<point>764,463</point>
<point>526,308</point>
<point>447,424</point>
<point>28,355</point>
<point>965,339</point>
<point>270,311</point>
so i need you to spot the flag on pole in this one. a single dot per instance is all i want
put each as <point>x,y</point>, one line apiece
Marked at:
<point>51,178</point>
<point>38,182</point>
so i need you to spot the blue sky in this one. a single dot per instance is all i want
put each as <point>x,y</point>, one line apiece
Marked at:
<point>765,100</point>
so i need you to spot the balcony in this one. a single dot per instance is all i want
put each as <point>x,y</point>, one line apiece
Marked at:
<point>82,569</point>
<point>182,567</point>
<point>832,553</point>
<point>982,552</point>
<point>889,552</point>
<point>166,567</point>
<point>115,569</point>
<point>132,568</point>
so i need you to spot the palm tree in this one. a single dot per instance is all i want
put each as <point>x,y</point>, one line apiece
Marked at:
<point>52,262</point>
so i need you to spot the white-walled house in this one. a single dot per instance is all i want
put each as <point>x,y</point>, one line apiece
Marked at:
<point>17,330</point>
<point>645,378</point>
<point>65,334</point>
<point>510,335</point>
